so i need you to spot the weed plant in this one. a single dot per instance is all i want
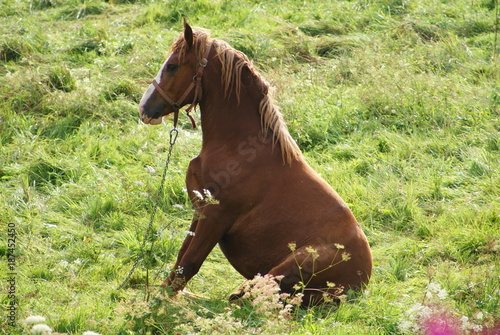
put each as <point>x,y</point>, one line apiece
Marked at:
<point>396,103</point>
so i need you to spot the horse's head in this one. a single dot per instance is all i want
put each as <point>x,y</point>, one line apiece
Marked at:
<point>177,83</point>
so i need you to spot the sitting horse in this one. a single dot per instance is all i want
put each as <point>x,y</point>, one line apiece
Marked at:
<point>274,214</point>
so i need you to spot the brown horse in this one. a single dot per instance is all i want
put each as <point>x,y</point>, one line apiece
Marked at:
<point>275,215</point>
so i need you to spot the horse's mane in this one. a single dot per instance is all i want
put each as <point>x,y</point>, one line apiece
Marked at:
<point>233,62</point>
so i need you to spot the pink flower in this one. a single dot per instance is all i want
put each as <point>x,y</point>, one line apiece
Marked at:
<point>440,323</point>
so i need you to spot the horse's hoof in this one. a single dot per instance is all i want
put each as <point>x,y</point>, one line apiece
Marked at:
<point>235,297</point>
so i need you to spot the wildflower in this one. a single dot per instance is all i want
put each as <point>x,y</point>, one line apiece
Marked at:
<point>419,310</point>
<point>346,256</point>
<point>310,250</point>
<point>405,326</point>
<point>327,297</point>
<point>292,246</point>
<point>63,264</point>
<point>198,194</point>
<point>440,322</point>
<point>33,320</point>
<point>264,292</point>
<point>297,299</point>
<point>41,329</point>
<point>437,290</point>
<point>88,332</point>
<point>189,233</point>
<point>206,196</point>
<point>207,193</point>
<point>285,312</point>
<point>209,198</point>
<point>339,246</point>
<point>442,294</point>
<point>467,325</point>
<point>284,296</point>
<point>313,252</point>
<point>330,284</point>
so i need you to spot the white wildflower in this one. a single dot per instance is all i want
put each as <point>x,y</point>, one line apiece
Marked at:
<point>41,329</point>
<point>189,233</point>
<point>419,310</point>
<point>198,194</point>
<point>207,193</point>
<point>206,196</point>
<point>434,288</point>
<point>467,325</point>
<point>63,264</point>
<point>33,320</point>
<point>442,294</point>
<point>89,332</point>
<point>405,325</point>
<point>209,198</point>
<point>178,206</point>
<point>479,315</point>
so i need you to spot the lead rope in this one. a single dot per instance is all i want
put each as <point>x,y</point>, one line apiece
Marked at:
<point>173,137</point>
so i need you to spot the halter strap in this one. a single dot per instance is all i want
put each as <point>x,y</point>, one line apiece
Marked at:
<point>196,84</point>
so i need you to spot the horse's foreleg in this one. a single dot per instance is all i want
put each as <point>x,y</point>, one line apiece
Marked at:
<point>205,232</point>
<point>181,253</point>
<point>192,183</point>
<point>209,231</point>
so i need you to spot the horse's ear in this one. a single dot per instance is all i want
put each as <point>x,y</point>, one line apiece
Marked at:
<point>188,34</point>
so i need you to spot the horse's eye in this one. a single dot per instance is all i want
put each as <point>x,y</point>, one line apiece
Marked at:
<point>172,67</point>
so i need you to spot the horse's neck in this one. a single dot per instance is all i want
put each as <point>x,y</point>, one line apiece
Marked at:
<point>224,120</point>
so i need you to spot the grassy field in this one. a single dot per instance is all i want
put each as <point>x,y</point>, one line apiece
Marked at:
<point>395,102</point>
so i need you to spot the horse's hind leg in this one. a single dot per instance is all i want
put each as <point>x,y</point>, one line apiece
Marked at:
<point>238,294</point>
<point>294,277</point>
<point>310,271</point>
<point>302,274</point>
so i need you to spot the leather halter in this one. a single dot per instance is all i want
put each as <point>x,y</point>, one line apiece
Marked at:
<point>196,84</point>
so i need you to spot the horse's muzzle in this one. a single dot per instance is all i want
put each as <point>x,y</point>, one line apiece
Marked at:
<point>147,119</point>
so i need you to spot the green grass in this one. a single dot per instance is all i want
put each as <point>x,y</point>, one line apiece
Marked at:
<point>396,103</point>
